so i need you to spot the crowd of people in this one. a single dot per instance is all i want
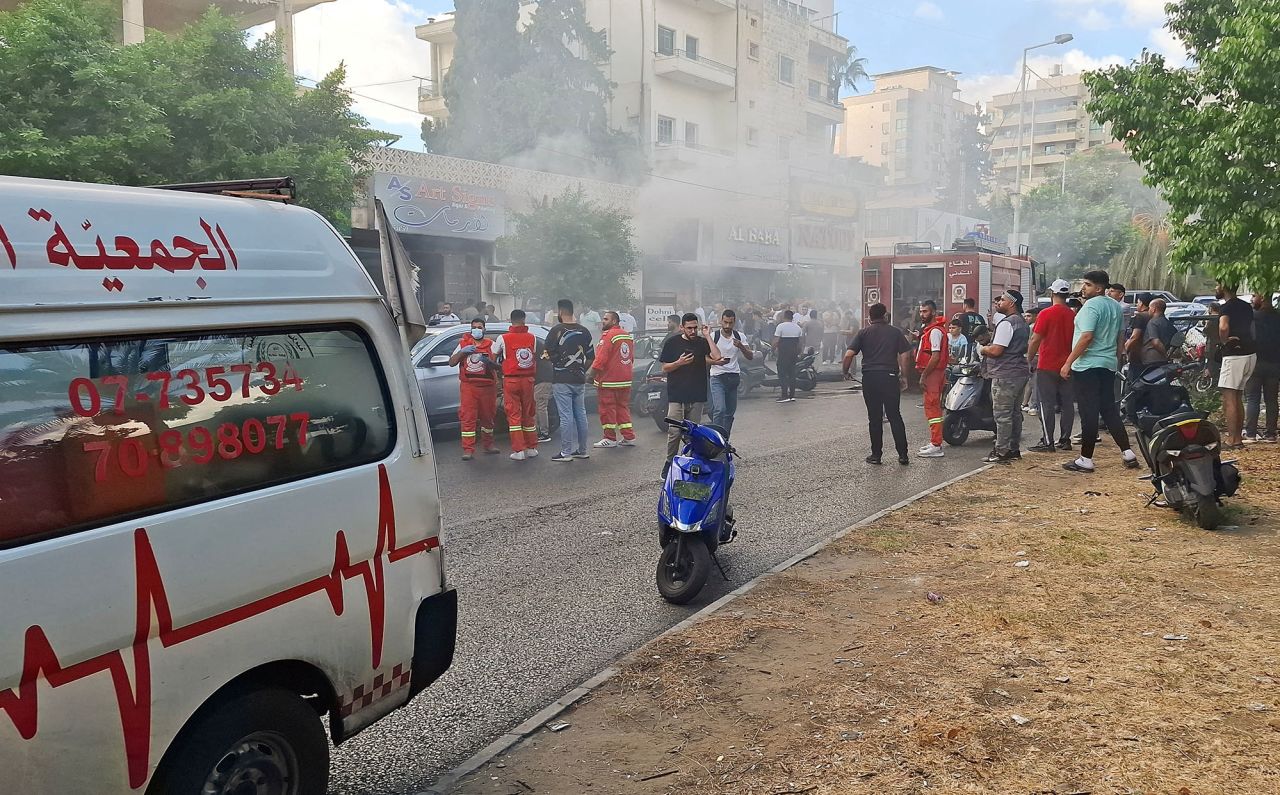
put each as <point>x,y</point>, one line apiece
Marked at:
<point>1058,364</point>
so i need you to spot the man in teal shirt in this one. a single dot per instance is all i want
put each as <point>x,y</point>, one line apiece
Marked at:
<point>1092,365</point>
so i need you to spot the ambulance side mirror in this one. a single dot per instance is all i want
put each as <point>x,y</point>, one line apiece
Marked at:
<point>439,360</point>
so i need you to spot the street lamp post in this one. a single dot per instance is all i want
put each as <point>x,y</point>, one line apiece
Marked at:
<point>1061,38</point>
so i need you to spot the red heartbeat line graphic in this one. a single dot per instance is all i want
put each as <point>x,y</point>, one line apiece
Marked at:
<point>135,704</point>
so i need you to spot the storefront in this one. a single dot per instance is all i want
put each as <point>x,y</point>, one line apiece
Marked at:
<point>745,258</point>
<point>449,230</point>
<point>830,250</point>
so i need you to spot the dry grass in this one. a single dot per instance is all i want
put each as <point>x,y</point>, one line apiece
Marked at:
<point>839,677</point>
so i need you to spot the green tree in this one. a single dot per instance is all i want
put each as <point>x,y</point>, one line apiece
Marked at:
<point>847,72</point>
<point>200,105</point>
<point>1206,137</point>
<point>969,174</point>
<point>570,246</point>
<point>543,96</point>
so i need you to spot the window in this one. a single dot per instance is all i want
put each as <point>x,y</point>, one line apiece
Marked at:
<point>885,107</point>
<point>666,41</point>
<point>753,51</point>
<point>690,133</point>
<point>751,136</point>
<point>691,47</point>
<point>901,125</point>
<point>902,106</point>
<point>786,70</point>
<point>816,89</point>
<point>1049,149</point>
<point>884,147</point>
<point>884,128</point>
<point>666,129</point>
<point>900,145</point>
<point>1095,125</point>
<point>102,431</point>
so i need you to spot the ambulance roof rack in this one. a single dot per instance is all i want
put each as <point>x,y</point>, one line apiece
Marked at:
<point>277,189</point>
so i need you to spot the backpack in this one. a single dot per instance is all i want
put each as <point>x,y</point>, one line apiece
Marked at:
<point>716,336</point>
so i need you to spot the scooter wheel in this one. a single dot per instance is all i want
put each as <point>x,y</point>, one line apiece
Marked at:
<point>683,568</point>
<point>955,429</point>
<point>1208,515</point>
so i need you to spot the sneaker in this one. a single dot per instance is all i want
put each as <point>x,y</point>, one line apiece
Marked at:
<point>627,443</point>
<point>1025,408</point>
<point>904,460</point>
<point>1132,463</point>
<point>1072,466</point>
<point>1033,412</point>
<point>780,400</point>
<point>518,456</point>
<point>561,457</point>
<point>1065,444</point>
<point>581,454</point>
<point>873,459</point>
<point>1270,438</point>
<point>1249,438</point>
<point>543,438</point>
<point>1014,455</point>
<point>467,456</point>
<point>932,451</point>
<point>1043,447</point>
<point>996,458</point>
<point>532,452</point>
<point>605,443</point>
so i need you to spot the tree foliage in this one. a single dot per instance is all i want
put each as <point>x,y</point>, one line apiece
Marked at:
<point>200,105</point>
<point>537,97</point>
<point>1207,137</point>
<point>847,72</point>
<point>570,246</point>
<point>969,174</point>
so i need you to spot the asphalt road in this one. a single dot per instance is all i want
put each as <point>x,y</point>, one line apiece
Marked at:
<point>554,564</point>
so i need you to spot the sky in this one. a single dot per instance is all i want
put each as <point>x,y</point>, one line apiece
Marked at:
<point>981,39</point>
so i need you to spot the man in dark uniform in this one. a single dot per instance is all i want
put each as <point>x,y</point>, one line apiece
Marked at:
<point>885,353</point>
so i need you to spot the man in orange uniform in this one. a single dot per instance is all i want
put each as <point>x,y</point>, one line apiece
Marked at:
<point>931,361</point>
<point>477,387</point>
<point>518,349</point>
<point>611,372</point>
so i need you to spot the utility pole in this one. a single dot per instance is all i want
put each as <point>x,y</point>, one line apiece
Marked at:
<point>1062,38</point>
<point>284,31</point>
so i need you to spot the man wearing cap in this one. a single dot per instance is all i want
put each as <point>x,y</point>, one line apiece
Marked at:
<point>1092,365</point>
<point>1006,359</point>
<point>1051,339</point>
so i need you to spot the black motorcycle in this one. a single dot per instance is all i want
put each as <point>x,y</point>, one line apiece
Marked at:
<point>806,373</point>
<point>649,392</point>
<point>1180,443</point>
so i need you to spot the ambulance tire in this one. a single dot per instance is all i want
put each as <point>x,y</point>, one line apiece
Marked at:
<point>270,736</point>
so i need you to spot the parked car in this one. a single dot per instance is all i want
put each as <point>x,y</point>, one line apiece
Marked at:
<point>1132,296</point>
<point>1207,300</point>
<point>1185,309</point>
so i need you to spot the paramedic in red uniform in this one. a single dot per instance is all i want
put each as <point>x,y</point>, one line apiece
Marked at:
<point>931,362</point>
<point>615,355</point>
<point>478,388</point>
<point>518,349</point>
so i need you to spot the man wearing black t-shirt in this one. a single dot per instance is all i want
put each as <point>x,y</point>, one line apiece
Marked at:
<point>1239,358</point>
<point>885,354</point>
<point>686,359</point>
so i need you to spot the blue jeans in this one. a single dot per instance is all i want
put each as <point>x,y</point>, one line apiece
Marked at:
<point>724,400</point>
<point>571,405</point>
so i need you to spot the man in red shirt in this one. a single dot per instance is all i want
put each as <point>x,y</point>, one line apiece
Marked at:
<point>477,389</point>
<point>931,363</point>
<point>1051,338</point>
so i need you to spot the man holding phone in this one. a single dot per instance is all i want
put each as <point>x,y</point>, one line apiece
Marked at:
<point>686,358</point>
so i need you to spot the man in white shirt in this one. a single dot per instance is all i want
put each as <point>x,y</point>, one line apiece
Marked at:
<point>727,344</point>
<point>444,316</point>
<point>628,322</point>
<point>787,338</point>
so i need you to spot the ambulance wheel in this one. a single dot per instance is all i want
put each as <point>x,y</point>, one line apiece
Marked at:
<point>268,741</point>
<point>955,429</point>
<point>683,568</point>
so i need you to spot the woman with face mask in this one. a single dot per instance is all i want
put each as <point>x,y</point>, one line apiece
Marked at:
<point>478,389</point>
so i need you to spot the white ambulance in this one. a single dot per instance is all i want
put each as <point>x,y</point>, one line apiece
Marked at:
<point>219,519</point>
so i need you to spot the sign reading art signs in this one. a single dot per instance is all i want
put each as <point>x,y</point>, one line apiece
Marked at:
<point>444,209</point>
<point>752,245</point>
<point>816,242</point>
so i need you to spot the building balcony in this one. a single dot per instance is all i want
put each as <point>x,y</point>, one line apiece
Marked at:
<point>695,71</point>
<point>431,99</point>
<point>1059,136</point>
<point>438,31</point>
<point>829,110</point>
<point>821,38</point>
<point>681,155</point>
<point>710,6</point>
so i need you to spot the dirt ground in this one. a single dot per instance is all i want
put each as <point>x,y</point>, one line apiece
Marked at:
<point>1134,653</point>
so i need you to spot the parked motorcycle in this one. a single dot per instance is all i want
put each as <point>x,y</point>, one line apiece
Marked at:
<point>967,403</point>
<point>649,393</point>
<point>1180,444</point>
<point>806,373</point>
<point>755,372</point>
<point>694,515</point>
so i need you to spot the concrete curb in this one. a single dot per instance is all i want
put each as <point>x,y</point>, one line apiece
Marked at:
<point>506,742</point>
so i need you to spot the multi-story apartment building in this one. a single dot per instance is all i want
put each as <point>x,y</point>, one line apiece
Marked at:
<point>733,105</point>
<point>914,127</point>
<point>1054,126</point>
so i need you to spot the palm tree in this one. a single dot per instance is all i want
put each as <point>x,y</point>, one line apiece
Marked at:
<point>847,71</point>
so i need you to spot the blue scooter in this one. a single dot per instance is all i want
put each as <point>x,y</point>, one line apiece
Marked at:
<point>694,515</point>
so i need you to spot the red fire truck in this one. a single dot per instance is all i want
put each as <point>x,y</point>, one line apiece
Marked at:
<point>976,267</point>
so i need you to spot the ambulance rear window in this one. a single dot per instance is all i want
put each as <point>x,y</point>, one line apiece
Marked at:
<point>99,431</point>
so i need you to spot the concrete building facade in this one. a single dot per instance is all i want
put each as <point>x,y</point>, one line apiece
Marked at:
<point>914,127</point>
<point>1055,125</point>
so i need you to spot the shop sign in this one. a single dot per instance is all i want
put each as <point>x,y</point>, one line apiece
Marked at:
<point>444,209</point>
<point>655,316</point>
<point>816,198</point>
<point>825,244</point>
<point>752,245</point>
